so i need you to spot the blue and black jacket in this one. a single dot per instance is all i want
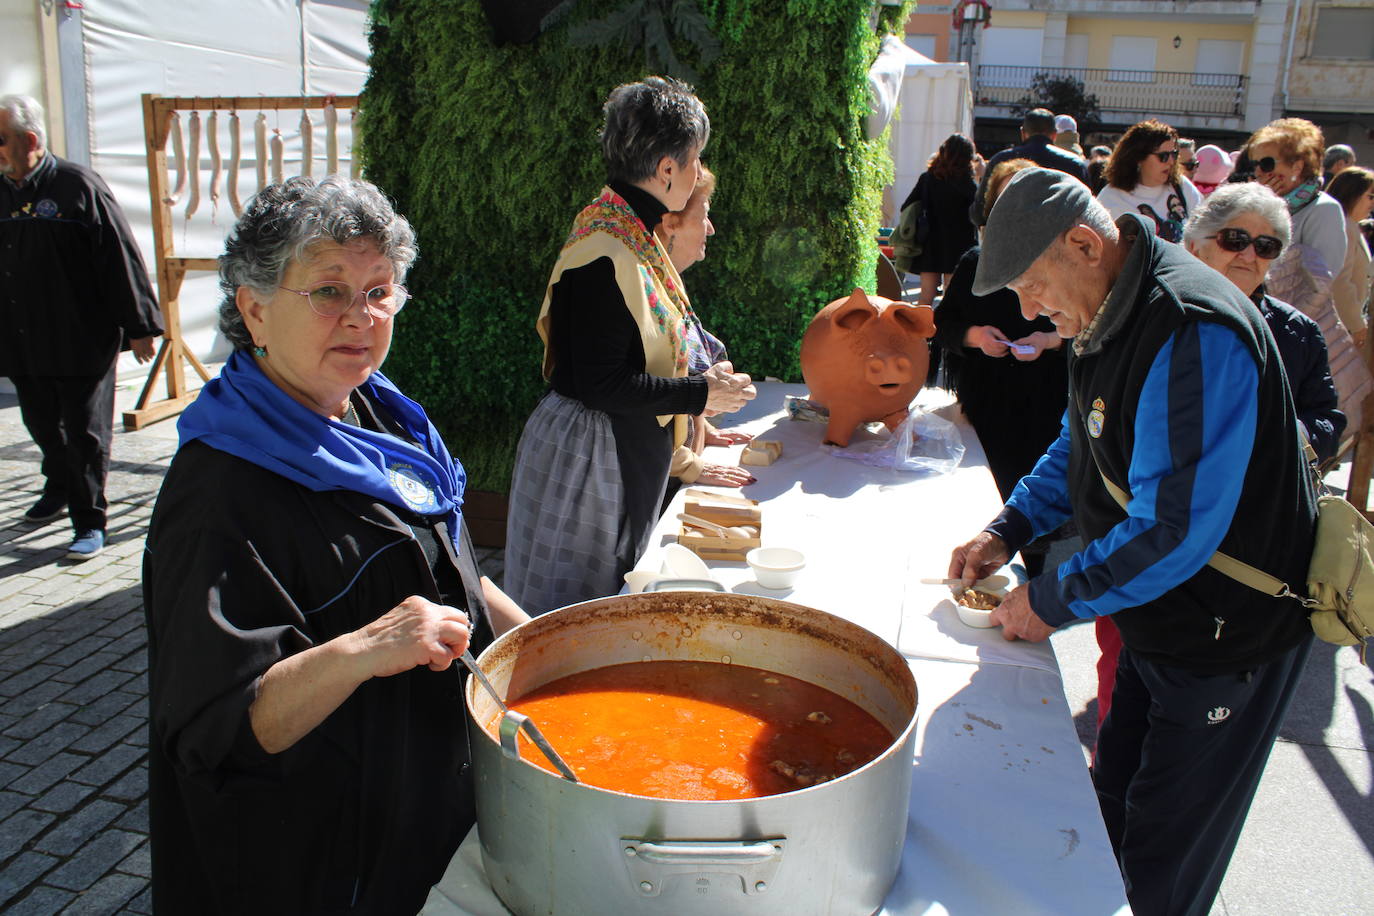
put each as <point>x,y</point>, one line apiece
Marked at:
<point>1180,398</point>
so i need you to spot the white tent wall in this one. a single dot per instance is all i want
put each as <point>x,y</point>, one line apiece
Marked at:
<point>21,48</point>
<point>245,48</point>
<point>935,101</point>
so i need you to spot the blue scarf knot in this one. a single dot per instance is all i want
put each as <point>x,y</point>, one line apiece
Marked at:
<point>243,412</point>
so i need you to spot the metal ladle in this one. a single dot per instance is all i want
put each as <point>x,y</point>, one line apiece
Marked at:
<point>512,723</point>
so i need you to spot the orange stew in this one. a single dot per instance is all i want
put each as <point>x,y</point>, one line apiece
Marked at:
<point>699,730</point>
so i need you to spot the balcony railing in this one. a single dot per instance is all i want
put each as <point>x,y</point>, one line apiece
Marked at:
<point>1136,91</point>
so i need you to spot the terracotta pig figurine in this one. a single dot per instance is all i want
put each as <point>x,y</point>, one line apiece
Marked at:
<point>864,358</point>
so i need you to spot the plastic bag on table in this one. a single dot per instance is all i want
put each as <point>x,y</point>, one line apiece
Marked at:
<point>924,443</point>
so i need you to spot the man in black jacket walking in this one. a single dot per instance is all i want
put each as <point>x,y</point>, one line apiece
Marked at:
<point>74,289</point>
<point>1037,145</point>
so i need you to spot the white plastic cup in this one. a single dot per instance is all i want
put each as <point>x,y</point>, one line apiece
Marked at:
<point>776,567</point>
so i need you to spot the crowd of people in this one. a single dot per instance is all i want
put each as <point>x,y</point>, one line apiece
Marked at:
<point>309,580</point>
<point>1201,300</point>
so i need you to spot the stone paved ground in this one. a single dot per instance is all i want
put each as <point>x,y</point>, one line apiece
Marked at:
<point>73,688</point>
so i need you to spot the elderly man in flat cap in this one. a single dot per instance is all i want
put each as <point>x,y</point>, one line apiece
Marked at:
<point>1180,440</point>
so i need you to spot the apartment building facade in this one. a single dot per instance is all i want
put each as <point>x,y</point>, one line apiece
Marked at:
<point>1216,69</point>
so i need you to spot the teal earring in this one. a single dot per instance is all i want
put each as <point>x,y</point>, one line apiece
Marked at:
<point>259,352</point>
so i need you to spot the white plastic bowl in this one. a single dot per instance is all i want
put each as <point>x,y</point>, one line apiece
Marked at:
<point>776,567</point>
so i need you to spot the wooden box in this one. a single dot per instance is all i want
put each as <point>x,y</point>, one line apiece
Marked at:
<point>723,510</point>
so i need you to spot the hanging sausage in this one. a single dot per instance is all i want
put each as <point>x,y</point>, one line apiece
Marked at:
<point>216,163</point>
<point>179,157</point>
<point>260,148</point>
<point>193,166</point>
<point>307,144</point>
<point>235,158</point>
<point>331,138</point>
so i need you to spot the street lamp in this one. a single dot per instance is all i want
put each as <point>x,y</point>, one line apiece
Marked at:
<point>968,15</point>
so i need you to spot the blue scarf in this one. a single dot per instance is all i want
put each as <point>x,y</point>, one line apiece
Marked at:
<point>242,412</point>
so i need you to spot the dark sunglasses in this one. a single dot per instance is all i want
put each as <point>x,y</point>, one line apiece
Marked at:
<point>1166,156</point>
<point>1191,166</point>
<point>1237,240</point>
<point>1266,164</point>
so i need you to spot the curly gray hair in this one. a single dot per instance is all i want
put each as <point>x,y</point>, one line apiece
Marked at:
<point>1231,200</point>
<point>26,116</point>
<point>648,120</point>
<point>283,220</point>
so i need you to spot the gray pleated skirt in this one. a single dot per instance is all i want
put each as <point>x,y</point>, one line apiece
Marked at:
<point>567,531</point>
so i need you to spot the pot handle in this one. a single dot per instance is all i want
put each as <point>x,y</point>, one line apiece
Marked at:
<point>682,585</point>
<point>752,863</point>
<point>705,853</point>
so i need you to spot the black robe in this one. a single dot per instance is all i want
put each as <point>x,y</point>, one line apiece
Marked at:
<point>242,569</point>
<point>1015,407</point>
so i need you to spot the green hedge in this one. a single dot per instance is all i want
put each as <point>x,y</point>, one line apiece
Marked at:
<point>490,151</point>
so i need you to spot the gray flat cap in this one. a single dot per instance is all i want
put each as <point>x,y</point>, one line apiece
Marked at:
<point>1036,206</point>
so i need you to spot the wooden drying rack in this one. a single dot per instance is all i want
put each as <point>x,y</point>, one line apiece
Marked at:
<point>171,267</point>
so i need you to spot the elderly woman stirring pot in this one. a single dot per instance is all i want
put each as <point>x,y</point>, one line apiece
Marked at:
<point>308,582</point>
<point>592,464</point>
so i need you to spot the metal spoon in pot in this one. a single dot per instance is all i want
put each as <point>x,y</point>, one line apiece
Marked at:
<point>518,722</point>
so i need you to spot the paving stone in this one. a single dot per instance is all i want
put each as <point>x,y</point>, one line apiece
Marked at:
<point>22,871</point>
<point>47,773</point>
<point>35,697</point>
<point>40,720</point>
<point>131,786</point>
<point>105,735</point>
<point>135,662</point>
<point>122,624</point>
<point>63,797</point>
<point>134,639</point>
<point>93,860</point>
<point>9,772</point>
<point>95,687</point>
<point>142,904</point>
<point>107,707</point>
<point>7,745</point>
<point>108,895</point>
<point>19,683</point>
<point>48,743</point>
<point>11,802</point>
<point>76,829</point>
<point>20,827</point>
<point>79,650</point>
<point>109,765</point>
<point>139,862</point>
<point>136,819</point>
<point>43,901</point>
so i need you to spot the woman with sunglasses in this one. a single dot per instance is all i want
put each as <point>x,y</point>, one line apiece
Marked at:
<point>1353,189</point>
<point>1287,158</point>
<point>308,583</point>
<point>1239,231</point>
<point>1143,176</point>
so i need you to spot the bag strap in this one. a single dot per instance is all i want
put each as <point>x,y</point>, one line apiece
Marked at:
<point>1225,564</point>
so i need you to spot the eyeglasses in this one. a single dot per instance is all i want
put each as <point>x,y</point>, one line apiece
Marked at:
<point>1237,240</point>
<point>1191,166</point>
<point>329,299</point>
<point>1267,164</point>
<point>1166,155</point>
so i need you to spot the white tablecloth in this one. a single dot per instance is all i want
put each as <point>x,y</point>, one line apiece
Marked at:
<point>1003,818</point>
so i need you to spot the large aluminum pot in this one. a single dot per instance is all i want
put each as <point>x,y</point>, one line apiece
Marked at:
<point>551,846</point>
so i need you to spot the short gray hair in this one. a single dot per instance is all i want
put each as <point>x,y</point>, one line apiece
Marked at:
<point>648,120</point>
<point>26,116</point>
<point>1337,152</point>
<point>282,221</point>
<point>1099,219</point>
<point>1231,200</point>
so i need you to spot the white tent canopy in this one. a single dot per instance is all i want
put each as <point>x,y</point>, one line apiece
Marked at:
<point>935,101</point>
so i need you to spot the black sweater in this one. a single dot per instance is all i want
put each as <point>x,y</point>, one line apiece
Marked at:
<point>598,359</point>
